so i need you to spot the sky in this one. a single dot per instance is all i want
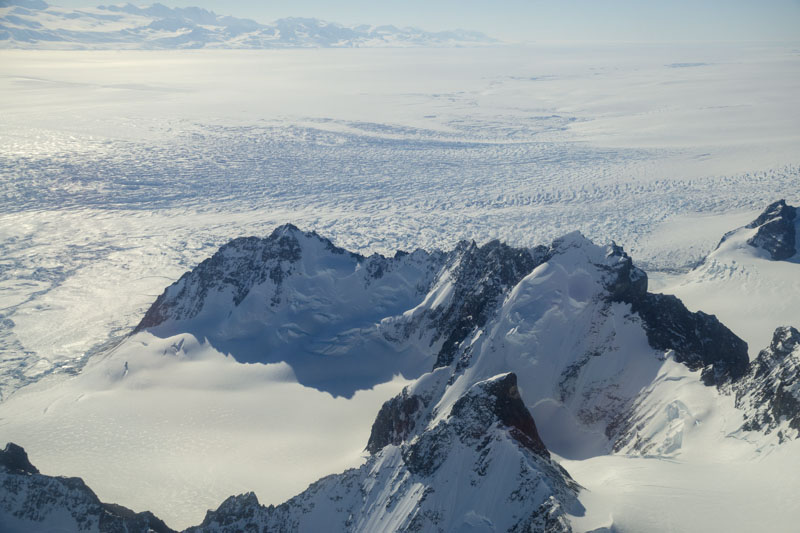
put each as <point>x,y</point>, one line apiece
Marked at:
<point>527,20</point>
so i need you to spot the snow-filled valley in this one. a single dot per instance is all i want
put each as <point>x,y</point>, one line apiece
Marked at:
<point>120,171</point>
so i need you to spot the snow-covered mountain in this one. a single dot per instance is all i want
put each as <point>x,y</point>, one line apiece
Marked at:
<point>776,232</point>
<point>480,467</point>
<point>513,353</point>
<point>36,24</point>
<point>297,298</point>
<point>752,278</point>
<point>31,501</point>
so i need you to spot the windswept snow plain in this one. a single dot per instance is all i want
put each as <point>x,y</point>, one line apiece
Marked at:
<point>119,171</point>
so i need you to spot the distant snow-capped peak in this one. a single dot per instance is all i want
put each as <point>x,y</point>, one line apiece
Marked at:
<point>35,24</point>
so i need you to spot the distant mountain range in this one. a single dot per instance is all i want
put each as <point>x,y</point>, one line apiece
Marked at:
<point>36,24</point>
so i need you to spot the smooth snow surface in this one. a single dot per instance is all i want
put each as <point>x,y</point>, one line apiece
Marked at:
<point>174,427</point>
<point>658,495</point>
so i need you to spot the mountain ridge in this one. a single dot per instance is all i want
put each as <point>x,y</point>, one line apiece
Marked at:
<point>35,24</point>
<point>557,348</point>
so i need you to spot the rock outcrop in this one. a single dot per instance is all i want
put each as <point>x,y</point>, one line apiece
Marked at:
<point>777,231</point>
<point>699,340</point>
<point>769,394</point>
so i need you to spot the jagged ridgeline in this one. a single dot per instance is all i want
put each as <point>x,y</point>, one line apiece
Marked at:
<point>442,298</point>
<point>513,351</point>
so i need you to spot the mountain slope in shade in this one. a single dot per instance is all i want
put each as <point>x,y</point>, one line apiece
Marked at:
<point>776,231</point>
<point>35,24</point>
<point>294,297</point>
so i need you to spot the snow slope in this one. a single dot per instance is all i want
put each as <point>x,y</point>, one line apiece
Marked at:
<point>41,26</point>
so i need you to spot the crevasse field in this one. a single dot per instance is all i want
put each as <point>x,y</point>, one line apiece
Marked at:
<point>119,171</point>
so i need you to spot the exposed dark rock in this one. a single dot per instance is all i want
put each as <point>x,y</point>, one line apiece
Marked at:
<point>498,400</point>
<point>770,393</point>
<point>699,340</point>
<point>26,496</point>
<point>395,421</point>
<point>776,231</point>
<point>494,403</point>
<point>427,453</point>
<point>15,460</point>
<point>236,513</point>
<point>627,283</point>
<point>548,518</point>
<point>481,276</point>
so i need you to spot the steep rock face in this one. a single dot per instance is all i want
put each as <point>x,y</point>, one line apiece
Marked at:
<point>15,461</point>
<point>395,421</point>
<point>480,276</point>
<point>480,465</point>
<point>498,400</point>
<point>30,501</point>
<point>769,394</point>
<point>699,340</point>
<point>777,231</point>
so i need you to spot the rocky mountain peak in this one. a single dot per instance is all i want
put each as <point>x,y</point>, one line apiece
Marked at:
<point>237,267</point>
<point>785,340</point>
<point>699,340</point>
<point>242,508</point>
<point>777,231</point>
<point>497,401</point>
<point>15,460</point>
<point>769,394</point>
<point>487,447</point>
<point>627,283</point>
